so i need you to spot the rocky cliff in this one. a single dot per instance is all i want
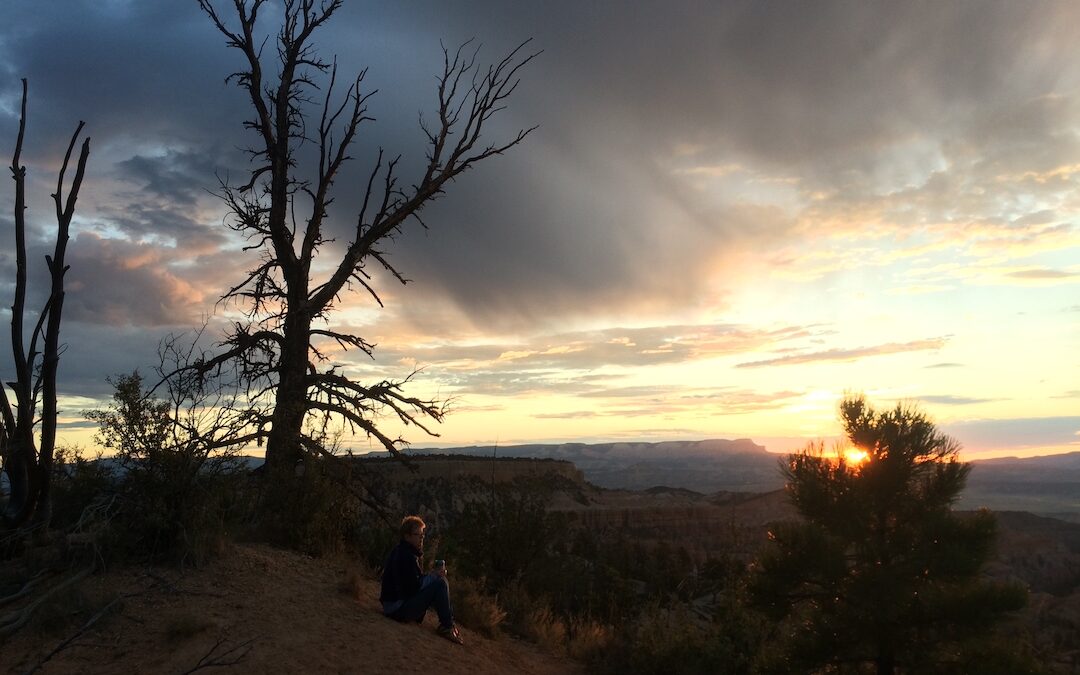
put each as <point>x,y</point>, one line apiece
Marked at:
<point>453,468</point>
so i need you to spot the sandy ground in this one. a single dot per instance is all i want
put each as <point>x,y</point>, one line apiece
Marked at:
<point>275,611</point>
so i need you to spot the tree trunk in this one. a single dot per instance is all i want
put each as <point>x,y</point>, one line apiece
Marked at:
<point>30,469</point>
<point>19,479</point>
<point>290,401</point>
<point>886,661</point>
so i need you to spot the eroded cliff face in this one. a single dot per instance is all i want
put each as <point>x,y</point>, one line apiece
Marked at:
<point>706,526</point>
<point>1041,553</point>
<point>705,466</point>
<point>499,469</point>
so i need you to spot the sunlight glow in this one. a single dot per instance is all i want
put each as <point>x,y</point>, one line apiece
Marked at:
<point>854,456</point>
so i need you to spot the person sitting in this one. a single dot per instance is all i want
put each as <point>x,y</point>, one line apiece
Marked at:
<point>407,592</point>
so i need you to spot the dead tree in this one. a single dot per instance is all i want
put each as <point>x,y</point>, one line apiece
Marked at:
<point>29,468</point>
<point>283,214</point>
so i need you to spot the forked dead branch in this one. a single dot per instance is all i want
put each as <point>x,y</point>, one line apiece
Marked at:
<point>29,467</point>
<point>283,210</point>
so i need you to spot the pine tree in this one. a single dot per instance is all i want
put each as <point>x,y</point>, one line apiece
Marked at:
<point>880,572</point>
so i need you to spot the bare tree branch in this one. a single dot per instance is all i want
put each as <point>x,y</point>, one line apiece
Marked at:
<point>284,211</point>
<point>28,467</point>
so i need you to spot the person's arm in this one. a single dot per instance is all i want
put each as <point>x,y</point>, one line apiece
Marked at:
<point>408,574</point>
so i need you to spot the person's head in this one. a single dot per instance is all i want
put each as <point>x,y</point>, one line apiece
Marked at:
<point>412,531</point>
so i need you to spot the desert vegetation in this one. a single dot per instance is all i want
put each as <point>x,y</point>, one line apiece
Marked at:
<point>806,601</point>
<point>875,573</point>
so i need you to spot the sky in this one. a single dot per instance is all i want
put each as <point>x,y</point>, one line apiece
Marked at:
<point>729,215</point>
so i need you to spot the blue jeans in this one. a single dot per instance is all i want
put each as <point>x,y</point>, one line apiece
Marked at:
<point>433,591</point>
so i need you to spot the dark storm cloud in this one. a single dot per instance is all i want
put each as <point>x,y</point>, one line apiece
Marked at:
<point>92,353</point>
<point>175,176</point>
<point>822,91</point>
<point>602,211</point>
<point>141,71</point>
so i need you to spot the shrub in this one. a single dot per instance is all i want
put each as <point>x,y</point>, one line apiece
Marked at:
<point>588,639</point>
<point>355,581</point>
<point>474,608</point>
<point>314,514</point>
<point>176,497</point>
<point>77,482</point>
<point>662,637</point>
<point>546,629</point>
<point>517,604</point>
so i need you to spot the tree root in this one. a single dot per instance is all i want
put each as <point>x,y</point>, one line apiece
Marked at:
<point>16,619</point>
<point>25,590</point>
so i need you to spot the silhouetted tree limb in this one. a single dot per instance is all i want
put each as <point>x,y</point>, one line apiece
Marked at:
<point>29,468</point>
<point>282,211</point>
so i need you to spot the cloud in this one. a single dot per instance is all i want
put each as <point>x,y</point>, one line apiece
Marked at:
<point>174,175</point>
<point>575,414</point>
<point>849,354</point>
<point>756,130</point>
<point>119,283</point>
<point>948,399</point>
<point>1016,432</point>
<point>613,346</point>
<point>687,156</point>
<point>1042,274</point>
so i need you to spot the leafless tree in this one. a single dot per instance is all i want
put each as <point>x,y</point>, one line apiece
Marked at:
<point>283,213</point>
<point>29,468</point>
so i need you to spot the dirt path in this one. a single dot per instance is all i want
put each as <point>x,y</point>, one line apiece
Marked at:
<point>283,612</point>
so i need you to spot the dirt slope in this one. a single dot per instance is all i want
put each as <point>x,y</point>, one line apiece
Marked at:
<point>292,611</point>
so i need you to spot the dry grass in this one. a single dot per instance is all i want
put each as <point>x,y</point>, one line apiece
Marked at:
<point>547,629</point>
<point>355,582</point>
<point>475,609</point>
<point>588,639</point>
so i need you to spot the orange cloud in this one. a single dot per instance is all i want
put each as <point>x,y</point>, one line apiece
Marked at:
<point>849,354</point>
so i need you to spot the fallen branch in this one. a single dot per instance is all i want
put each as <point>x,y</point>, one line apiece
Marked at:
<point>25,590</point>
<point>85,627</point>
<point>13,621</point>
<point>90,623</point>
<point>229,657</point>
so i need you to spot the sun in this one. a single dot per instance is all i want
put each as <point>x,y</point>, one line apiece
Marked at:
<point>854,456</point>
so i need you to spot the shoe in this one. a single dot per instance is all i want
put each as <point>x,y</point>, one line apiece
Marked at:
<point>451,633</point>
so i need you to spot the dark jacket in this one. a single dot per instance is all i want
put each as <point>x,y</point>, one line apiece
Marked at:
<point>401,573</point>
